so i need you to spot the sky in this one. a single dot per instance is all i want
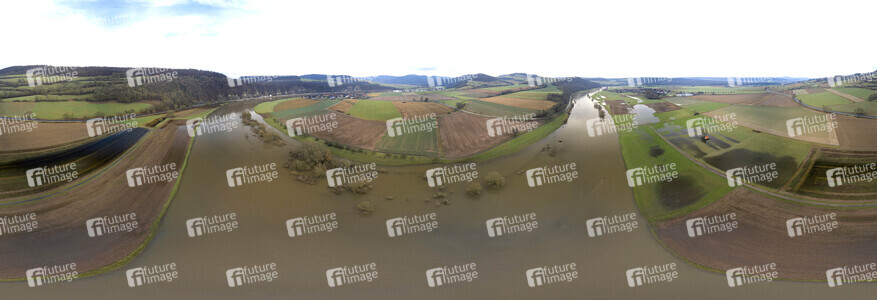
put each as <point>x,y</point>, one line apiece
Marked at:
<point>668,38</point>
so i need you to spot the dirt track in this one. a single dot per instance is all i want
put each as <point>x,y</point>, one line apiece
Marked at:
<point>63,237</point>
<point>762,237</point>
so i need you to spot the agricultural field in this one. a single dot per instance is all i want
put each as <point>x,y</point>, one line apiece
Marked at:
<point>617,107</point>
<point>696,105</point>
<point>715,89</point>
<point>462,134</point>
<point>496,109</point>
<point>739,147</point>
<point>32,98</point>
<point>412,109</point>
<point>431,96</point>
<point>857,92</point>
<point>344,105</point>
<point>107,193</point>
<point>773,120</point>
<point>316,108</point>
<point>355,132</point>
<point>814,182</point>
<point>374,110</point>
<point>521,103</point>
<point>73,109</point>
<point>823,99</point>
<point>762,99</point>
<point>694,188</point>
<point>762,234</point>
<point>418,143</point>
<point>869,108</point>
<point>271,106</point>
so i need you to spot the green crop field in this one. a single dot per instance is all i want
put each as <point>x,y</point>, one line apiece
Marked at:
<point>537,94</point>
<point>869,107</point>
<point>268,107</point>
<point>858,92</point>
<point>75,109</point>
<point>696,105</point>
<point>715,89</point>
<point>496,109</point>
<point>420,143</point>
<point>304,111</point>
<point>695,188</point>
<point>823,98</point>
<point>674,115</point>
<point>374,110</point>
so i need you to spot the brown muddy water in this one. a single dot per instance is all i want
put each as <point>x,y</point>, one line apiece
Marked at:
<point>461,237</point>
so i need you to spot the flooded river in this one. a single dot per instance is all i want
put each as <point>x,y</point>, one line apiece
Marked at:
<point>561,210</point>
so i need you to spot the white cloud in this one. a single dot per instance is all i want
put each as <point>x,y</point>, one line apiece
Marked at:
<point>361,38</point>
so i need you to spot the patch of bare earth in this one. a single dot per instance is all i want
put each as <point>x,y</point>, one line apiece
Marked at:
<point>293,104</point>
<point>343,106</point>
<point>463,134</point>
<point>618,107</point>
<point>762,237</point>
<point>355,132</point>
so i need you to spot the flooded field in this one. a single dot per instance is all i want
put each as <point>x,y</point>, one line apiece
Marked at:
<point>561,209</point>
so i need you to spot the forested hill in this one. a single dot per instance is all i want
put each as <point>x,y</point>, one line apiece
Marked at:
<point>174,88</point>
